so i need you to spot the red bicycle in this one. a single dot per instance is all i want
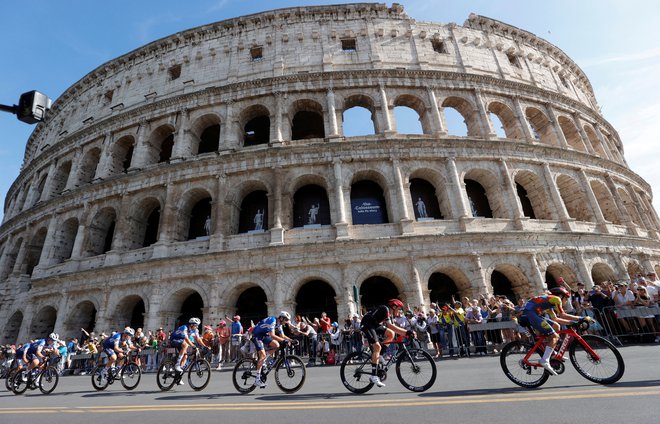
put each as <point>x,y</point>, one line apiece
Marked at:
<point>594,357</point>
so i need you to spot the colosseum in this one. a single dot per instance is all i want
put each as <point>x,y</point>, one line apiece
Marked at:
<point>209,173</point>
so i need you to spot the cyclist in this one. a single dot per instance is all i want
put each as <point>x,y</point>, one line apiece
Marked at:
<point>183,338</point>
<point>377,325</point>
<point>269,332</point>
<point>35,352</point>
<point>117,346</point>
<point>535,310</point>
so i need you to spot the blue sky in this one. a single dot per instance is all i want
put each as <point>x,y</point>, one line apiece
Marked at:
<point>49,45</point>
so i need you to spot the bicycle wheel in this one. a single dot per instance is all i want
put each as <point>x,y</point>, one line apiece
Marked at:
<point>199,374</point>
<point>130,376</point>
<point>166,376</point>
<point>609,366</point>
<point>290,374</point>
<point>19,382</point>
<point>244,374</point>
<point>8,381</point>
<point>416,370</point>
<point>355,372</point>
<point>512,362</point>
<point>100,377</point>
<point>48,380</point>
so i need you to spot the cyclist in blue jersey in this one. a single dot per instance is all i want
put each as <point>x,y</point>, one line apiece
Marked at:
<point>117,346</point>
<point>535,311</point>
<point>268,332</point>
<point>183,338</point>
<point>21,355</point>
<point>35,353</point>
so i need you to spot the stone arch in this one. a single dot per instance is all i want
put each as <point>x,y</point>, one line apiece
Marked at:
<point>83,315</point>
<point>602,272</point>
<point>469,113</point>
<point>634,268</point>
<point>60,178</point>
<point>315,296</point>
<point>39,190</point>
<point>122,154</point>
<point>571,133</point>
<point>12,328</point>
<point>100,232</point>
<point>484,195</point>
<point>354,105</point>
<point>306,120</point>
<point>368,202</point>
<point>416,104</point>
<point>88,165</point>
<point>255,125</point>
<point>65,236</point>
<point>532,195</point>
<point>606,202</point>
<point>311,206</point>
<point>447,282</point>
<point>160,145</point>
<point>195,207</point>
<point>510,281</point>
<point>185,303</point>
<point>34,250</point>
<point>630,206</point>
<point>508,119</point>
<point>254,212</point>
<point>377,290</point>
<point>557,270</point>
<point>206,134</point>
<point>424,199</point>
<point>439,184</point>
<point>595,142</point>
<point>236,198</point>
<point>541,126</point>
<point>143,224</point>
<point>251,304</point>
<point>130,312</point>
<point>11,254</point>
<point>574,199</point>
<point>43,322</point>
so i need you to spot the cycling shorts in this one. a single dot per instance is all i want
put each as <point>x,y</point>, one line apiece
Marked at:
<point>540,323</point>
<point>109,351</point>
<point>261,342</point>
<point>374,334</point>
<point>176,343</point>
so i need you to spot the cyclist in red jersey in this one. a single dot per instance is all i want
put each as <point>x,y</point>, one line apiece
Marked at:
<point>535,310</point>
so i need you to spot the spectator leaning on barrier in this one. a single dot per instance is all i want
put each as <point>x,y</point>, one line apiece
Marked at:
<point>434,330</point>
<point>474,316</point>
<point>460,327</point>
<point>224,334</point>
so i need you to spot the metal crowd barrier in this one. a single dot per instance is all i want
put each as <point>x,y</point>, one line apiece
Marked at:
<point>631,324</point>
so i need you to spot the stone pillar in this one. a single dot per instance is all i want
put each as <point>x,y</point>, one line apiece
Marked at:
<point>556,127</point>
<point>332,114</point>
<point>487,129</point>
<point>623,212</point>
<point>61,319</point>
<point>560,207</point>
<point>219,209</point>
<point>406,222</point>
<point>439,128</point>
<point>105,161</point>
<point>47,252</point>
<point>28,316</point>
<point>479,285</point>
<point>456,192</point>
<point>276,231</point>
<point>48,187</point>
<point>153,319</point>
<point>277,136</point>
<point>522,119</point>
<point>606,146</point>
<point>648,225</point>
<point>167,225</point>
<point>19,265</point>
<point>385,108</point>
<point>583,272</point>
<point>593,202</point>
<point>583,135</point>
<point>72,181</point>
<point>537,282</point>
<point>342,225</point>
<point>140,152</point>
<point>511,193</point>
<point>416,289</point>
<point>182,139</point>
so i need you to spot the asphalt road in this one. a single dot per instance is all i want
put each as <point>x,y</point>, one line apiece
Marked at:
<point>466,391</point>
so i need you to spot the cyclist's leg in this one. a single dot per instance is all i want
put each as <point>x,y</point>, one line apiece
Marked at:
<point>183,352</point>
<point>112,357</point>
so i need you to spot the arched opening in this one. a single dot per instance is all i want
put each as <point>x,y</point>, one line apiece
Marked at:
<point>532,195</point>
<point>254,212</point>
<point>100,233</point>
<point>540,126</point>
<point>595,142</point>
<point>64,239</point>
<point>11,257</point>
<point>60,178</point>
<point>43,323</point>
<point>34,250</point>
<point>424,199</point>
<point>209,140</point>
<point>606,202</point>
<point>461,118</point>
<point>368,205</point>
<point>165,151</point>
<point>375,291</point>
<point>442,289</point>
<point>574,199</point>
<point>525,203</point>
<point>88,166</point>
<point>407,120</point>
<point>556,271</point>
<point>130,312</point>
<point>510,127</point>
<point>358,121</point>
<point>478,199</point>
<point>315,297</point>
<point>251,306</point>
<point>192,306</point>
<point>13,327</point>
<point>631,207</point>
<point>307,125</point>
<point>502,286</point>
<point>311,206</point>
<point>123,154</point>
<point>40,189</point>
<point>635,270</point>
<point>602,272</point>
<point>257,131</point>
<point>497,125</point>
<point>571,134</point>
<point>151,227</point>
<point>83,315</point>
<point>455,122</point>
<point>200,219</point>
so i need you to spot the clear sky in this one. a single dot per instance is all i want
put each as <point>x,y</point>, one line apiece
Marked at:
<point>49,45</point>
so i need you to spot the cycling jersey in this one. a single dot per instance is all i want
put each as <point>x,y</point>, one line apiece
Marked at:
<point>113,342</point>
<point>534,309</point>
<point>265,326</point>
<point>35,347</point>
<point>372,324</point>
<point>183,333</point>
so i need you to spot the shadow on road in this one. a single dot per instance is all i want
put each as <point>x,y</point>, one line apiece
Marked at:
<point>123,393</point>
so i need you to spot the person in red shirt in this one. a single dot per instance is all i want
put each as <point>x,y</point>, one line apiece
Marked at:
<point>223,333</point>
<point>325,323</point>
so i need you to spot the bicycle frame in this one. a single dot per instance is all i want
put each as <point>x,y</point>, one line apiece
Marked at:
<point>566,337</point>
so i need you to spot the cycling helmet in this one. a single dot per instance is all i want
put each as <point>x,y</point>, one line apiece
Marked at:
<point>395,302</point>
<point>129,331</point>
<point>54,336</point>
<point>285,315</point>
<point>195,321</point>
<point>559,291</point>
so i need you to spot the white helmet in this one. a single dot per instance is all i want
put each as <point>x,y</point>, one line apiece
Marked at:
<point>54,336</point>
<point>195,321</point>
<point>285,315</point>
<point>129,331</point>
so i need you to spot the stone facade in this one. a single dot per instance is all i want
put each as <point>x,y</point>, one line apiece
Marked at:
<point>138,198</point>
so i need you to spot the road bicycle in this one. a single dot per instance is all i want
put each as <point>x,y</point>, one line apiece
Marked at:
<point>129,374</point>
<point>44,376</point>
<point>594,357</point>
<point>415,368</point>
<point>290,371</point>
<point>198,369</point>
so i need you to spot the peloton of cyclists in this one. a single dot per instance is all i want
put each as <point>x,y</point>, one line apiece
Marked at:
<point>183,338</point>
<point>535,311</point>
<point>377,325</point>
<point>117,345</point>
<point>33,354</point>
<point>268,332</point>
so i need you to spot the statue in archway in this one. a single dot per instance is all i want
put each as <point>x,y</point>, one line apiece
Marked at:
<point>207,225</point>
<point>421,208</point>
<point>313,212</point>
<point>259,220</point>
